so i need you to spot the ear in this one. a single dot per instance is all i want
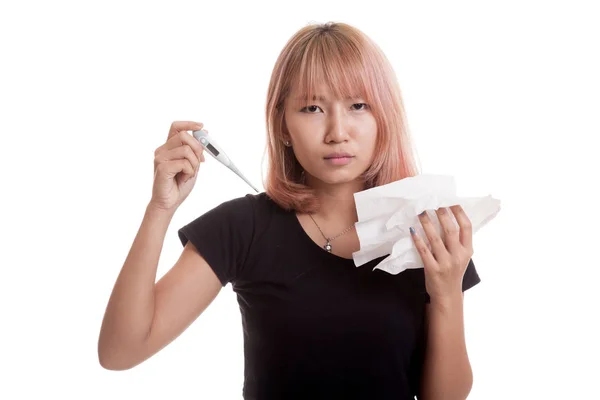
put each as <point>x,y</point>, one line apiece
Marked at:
<point>285,135</point>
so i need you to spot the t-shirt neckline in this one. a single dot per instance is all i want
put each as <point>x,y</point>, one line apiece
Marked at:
<point>311,243</point>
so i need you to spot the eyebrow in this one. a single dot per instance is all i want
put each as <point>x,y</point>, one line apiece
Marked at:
<point>323,98</point>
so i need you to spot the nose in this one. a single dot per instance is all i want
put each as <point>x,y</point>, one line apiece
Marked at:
<point>337,131</point>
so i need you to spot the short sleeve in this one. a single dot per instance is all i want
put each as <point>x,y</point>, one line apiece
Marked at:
<point>223,237</point>
<point>470,279</point>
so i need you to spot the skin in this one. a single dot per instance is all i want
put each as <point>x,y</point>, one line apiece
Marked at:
<point>447,372</point>
<point>336,125</point>
<point>142,316</point>
<point>323,127</point>
<point>327,126</point>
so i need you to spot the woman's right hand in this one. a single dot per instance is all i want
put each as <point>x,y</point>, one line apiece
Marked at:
<point>176,165</point>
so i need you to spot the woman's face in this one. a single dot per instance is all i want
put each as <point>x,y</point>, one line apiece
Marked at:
<point>332,139</point>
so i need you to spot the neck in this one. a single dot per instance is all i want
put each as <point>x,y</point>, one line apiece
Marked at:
<point>337,203</point>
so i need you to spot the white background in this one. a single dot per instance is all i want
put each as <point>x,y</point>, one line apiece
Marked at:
<point>502,95</point>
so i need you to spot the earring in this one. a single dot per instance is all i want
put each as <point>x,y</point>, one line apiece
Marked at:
<point>287,143</point>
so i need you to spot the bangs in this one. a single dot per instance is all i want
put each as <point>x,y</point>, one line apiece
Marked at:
<point>336,63</point>
<point>342,60</point>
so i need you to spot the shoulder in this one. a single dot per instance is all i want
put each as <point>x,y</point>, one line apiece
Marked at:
<point>255,203</point>
<point>225,235</point>
<point>245,212</point>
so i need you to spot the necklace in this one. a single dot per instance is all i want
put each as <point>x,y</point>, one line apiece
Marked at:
<point>330,239</point>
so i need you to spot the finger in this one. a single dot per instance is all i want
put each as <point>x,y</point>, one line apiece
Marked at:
<point>202,149</point>
<point>466,228</point>
<point>187,170</point>
<point>179,126</point>
<point>191,141</point>
<point>175,140</point>
<point>424,252</point>
<point>173,167</point>
<point>181,152</point>
<point>437,245</point>
<point>449,229</point>
<point>184,138</point>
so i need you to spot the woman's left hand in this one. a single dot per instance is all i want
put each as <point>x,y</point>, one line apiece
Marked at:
<point>445,264</point>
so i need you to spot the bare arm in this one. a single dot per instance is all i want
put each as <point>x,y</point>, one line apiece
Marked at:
<point>447,371</point>
<point>142,316</point>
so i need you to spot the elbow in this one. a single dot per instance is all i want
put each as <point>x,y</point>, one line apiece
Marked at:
<point>111,363</point>
<point>459,391</point>
<point>465,388</point>
<point>112,366</point>
<point>114,359</point>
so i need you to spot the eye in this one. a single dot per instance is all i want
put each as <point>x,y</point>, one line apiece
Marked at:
<point>361,104</point>
<point>355,104</point>
<point>307,107</point>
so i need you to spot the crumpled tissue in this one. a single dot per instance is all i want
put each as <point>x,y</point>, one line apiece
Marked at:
<point>385,214</point>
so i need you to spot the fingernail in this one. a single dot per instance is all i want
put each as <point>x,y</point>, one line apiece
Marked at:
<point>423,213</point>
<point>412,230</point>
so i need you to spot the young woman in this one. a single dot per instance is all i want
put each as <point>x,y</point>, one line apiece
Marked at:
<point>315,326</point>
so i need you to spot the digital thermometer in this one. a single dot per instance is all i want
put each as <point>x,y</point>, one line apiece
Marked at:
<point>214,150</point>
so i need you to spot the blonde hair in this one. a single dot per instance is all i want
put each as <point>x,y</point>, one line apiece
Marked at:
<point>351,64</point>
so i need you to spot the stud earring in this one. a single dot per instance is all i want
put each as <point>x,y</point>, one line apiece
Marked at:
<point>287,143</point>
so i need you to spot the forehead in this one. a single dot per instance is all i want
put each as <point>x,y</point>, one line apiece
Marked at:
<point>321,92</point>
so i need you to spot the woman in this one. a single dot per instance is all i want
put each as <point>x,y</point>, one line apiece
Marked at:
<point>315,325</point>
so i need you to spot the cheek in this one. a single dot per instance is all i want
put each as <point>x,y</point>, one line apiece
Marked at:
<point>367,142</point>
<point>304,151</point>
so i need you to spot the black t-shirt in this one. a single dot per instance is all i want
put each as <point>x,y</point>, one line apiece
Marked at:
<point>315,326</point>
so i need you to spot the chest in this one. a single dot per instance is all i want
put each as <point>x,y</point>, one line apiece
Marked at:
<point>300,299</point>
<point>342,245</point>
<point>291,289</point>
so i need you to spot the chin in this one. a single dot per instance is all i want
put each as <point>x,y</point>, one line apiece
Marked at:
<point>338,177</point>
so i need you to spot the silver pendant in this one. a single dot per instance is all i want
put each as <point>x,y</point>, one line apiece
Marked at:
<point>327,247</point>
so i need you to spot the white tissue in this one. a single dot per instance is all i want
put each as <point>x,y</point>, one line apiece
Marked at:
<point>385,214</point>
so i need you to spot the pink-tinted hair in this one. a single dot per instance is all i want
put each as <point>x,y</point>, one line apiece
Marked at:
<point>350,64</point>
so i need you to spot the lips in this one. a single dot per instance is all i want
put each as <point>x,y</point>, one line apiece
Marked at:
<point>338,155</point>
<point>338,159</point>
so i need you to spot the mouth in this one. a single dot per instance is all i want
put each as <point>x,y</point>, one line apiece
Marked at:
<point>338,155</point>
<point>338,158</point>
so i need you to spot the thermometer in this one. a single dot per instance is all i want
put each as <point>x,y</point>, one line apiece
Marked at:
<point>213,148</point>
